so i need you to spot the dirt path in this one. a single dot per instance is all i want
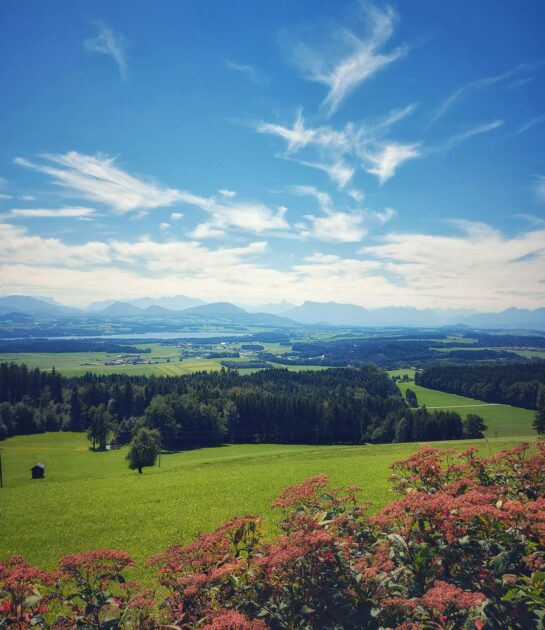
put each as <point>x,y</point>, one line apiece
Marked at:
<point>458,406</point>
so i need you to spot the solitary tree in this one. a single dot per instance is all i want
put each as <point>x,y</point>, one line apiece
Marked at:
<point>144,449</point>
<point>474,427</point>
<point>410,397</point>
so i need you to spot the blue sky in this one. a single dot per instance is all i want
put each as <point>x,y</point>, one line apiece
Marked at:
<point>371,153</point>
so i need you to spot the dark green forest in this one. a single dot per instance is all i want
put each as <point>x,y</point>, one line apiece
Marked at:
<point>347,405</point>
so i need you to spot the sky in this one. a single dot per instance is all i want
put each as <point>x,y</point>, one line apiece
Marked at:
<point>252,152</point>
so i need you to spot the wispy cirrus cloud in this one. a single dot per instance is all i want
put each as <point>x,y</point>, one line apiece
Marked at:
<point>388,158</point>
<point>97,178</point>
<point>113,44</point>
<point>537,120</point>
<point>335,225</point>
<point>467,90</point>
<point>468,133</point>
<point>539,186</point>
<point>52,213</point>
<point>338,152</point>
<point>353,59</point>
<point>332,225</point>
<point>255,75</point>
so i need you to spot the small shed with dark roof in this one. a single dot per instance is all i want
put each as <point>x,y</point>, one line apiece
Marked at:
<point>38,471</point>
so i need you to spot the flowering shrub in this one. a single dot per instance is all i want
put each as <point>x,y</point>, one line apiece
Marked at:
<point>462,547</point>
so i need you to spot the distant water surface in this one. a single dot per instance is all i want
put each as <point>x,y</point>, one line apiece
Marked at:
<point>148,335</point>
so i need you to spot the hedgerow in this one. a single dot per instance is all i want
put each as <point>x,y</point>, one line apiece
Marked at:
<point>462,547</point>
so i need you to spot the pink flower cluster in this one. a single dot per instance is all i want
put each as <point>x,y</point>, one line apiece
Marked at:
<point>463,547</point>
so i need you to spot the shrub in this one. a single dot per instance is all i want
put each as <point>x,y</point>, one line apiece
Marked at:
<point>462,547</point>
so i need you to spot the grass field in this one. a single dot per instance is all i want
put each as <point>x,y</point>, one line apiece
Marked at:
<point>77,363</point>
<point>91,500</point>
<point>502,420</point>
<point>528,354</point>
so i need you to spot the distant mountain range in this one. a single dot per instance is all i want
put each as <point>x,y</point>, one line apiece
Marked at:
<point>176,303</point>
<point>182,308</point>
<point>351,315</point>
<point>34,306</point>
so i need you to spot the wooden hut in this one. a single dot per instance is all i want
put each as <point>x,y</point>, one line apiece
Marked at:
<point>38,471</point>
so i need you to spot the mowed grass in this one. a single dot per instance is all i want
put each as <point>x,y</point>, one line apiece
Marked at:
<point>501,420</point>
<point>91,500</point>
<point>78,363</point>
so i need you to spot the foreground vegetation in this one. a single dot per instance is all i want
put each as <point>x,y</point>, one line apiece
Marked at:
<point>464,547</point>
<point>91,500</point>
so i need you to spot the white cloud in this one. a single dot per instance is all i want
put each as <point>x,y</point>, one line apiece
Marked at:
<point>98,179</point>
<point>480,268</point>
<point>528,125</point>
<point>297,137</point>
<point>112,44</point>
<point>17,246</point>
<point>357,195</point>
<point>386,215</point>
<point>388,158</point>
<point>477,268</point>
<point>334,150</point>
<point>356,59</point>
<point>245,216</point>
<point>453,141</point>
<point>227,193</point>
<point>176,216</point>
<point>336,226</point>
<point>54,213</point>
<point>472,87</point>
<point>164,226</point>
<point>540,187</point>
<point>337,171</point>
<point>255,75</point>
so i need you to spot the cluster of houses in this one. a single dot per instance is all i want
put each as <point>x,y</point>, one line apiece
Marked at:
<point>129,359</point>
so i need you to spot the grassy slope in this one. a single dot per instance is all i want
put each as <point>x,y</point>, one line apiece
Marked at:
<point>502,420</point>
<point>91,500</point>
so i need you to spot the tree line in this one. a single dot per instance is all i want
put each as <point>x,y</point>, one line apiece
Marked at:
<point>386,352</point>
<point>511,384</point>
<point>344,405</point>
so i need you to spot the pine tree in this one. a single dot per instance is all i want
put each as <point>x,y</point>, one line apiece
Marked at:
<point>75,411</point>
<point>539,421</point>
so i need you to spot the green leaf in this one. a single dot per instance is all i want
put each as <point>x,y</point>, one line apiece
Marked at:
<point>32,600</point>
<point>307,610</point>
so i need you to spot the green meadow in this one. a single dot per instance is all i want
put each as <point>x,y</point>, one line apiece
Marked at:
<point>92,500</point>
<point>501,420</point>
<point>167,358</point>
